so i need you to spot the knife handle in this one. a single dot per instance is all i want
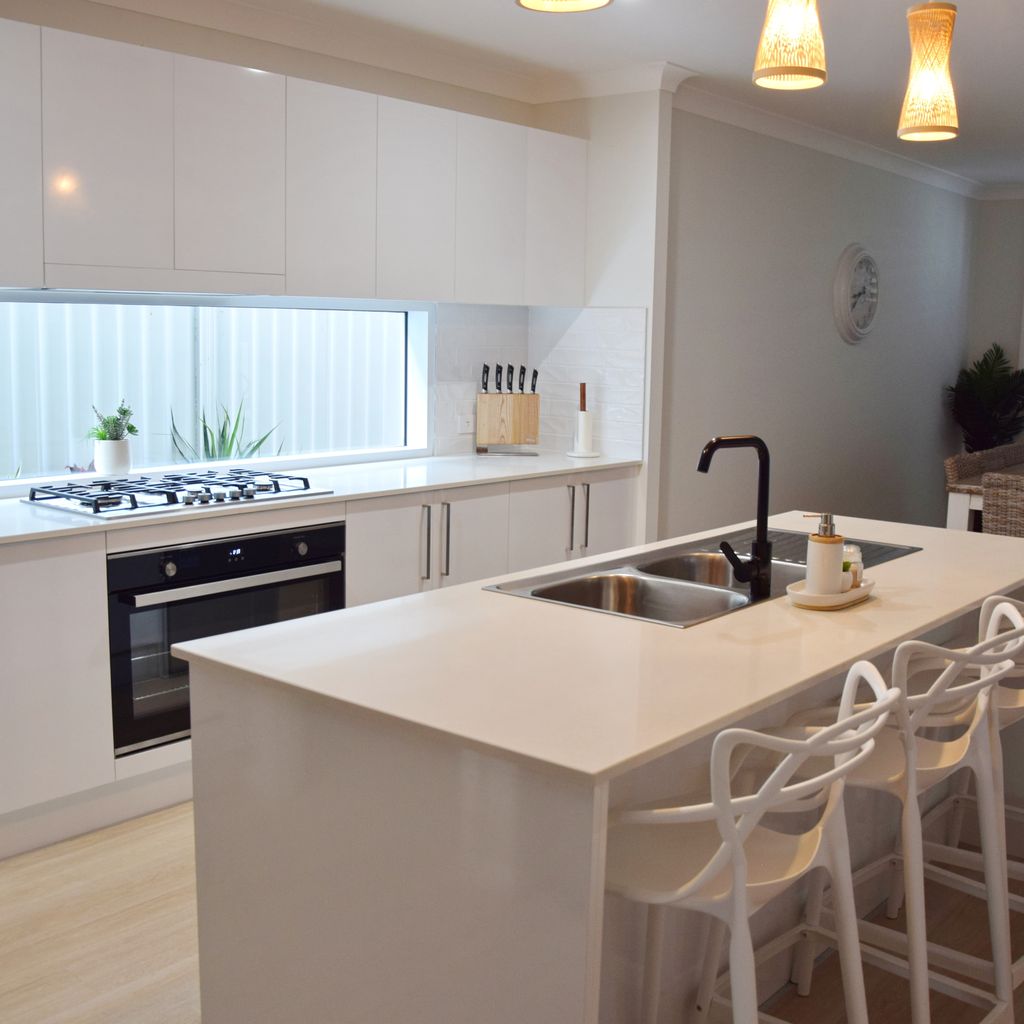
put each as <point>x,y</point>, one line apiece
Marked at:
<point>533,383</point>
<point>522,379</point>
<point>486,376</point>
<point>497,376</point>
<point>511,374</point>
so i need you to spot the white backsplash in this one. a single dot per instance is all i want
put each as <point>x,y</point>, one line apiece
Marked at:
<point>603,347</point>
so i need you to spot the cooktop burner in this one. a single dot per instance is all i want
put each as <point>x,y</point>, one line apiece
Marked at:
<point>172,492</point>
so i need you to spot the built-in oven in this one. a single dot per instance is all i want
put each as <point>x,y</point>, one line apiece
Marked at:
<point>164,596</point>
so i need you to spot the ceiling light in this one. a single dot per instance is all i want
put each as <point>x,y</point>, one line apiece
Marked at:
<point>562,6</point>
<point>791,53</point>
<point>929,107</point>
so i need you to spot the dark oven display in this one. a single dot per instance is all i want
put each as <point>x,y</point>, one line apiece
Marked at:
<point>166,596</point>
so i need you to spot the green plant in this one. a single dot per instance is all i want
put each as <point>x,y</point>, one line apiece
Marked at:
<point>115,427</point>
<point>221,439</point>
<point>987,401</point>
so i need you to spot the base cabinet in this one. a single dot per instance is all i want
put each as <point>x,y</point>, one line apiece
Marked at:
<point>607,503</point>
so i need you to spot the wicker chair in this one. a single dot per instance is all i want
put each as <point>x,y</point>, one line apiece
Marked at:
<point>959,467</point>
<point>1003,497</point>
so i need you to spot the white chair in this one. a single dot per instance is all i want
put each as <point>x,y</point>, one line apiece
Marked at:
<point>717,857</point>
<point>908,761</point>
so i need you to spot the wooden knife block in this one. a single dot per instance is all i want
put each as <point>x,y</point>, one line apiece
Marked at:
<point>507,419</point>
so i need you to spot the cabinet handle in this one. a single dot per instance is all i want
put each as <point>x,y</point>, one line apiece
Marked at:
<point>586,516</point>
<point>447,506</point>
<point>429,532</point>
<point>572,516</point>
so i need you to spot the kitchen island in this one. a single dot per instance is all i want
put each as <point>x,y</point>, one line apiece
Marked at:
<point>401,809</point>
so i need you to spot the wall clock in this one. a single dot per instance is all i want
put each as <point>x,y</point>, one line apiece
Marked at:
<point>855,293</point>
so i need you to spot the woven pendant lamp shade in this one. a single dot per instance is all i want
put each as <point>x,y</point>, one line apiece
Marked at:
<point>929,107</point>
<point>562,6</point>
<point>791,53</point>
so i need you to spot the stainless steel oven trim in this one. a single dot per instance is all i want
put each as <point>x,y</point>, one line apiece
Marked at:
<point>176,594</point>
<point>135,552</point>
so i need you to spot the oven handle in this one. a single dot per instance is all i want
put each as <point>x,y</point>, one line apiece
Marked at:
<point>301,572</point>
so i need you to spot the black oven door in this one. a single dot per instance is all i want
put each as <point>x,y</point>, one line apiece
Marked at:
<point>149,687</point>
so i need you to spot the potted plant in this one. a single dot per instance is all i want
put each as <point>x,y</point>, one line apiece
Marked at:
<point>987,401</point>
<point>111,446</point>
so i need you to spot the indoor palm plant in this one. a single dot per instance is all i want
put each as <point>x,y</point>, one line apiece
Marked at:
<point>987,401</point>
<point>111,446</point>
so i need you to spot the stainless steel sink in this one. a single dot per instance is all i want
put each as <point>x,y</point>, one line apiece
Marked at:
<point>713,569</point>
<point>643,597</point>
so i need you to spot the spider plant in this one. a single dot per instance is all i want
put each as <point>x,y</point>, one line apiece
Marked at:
<point>219,439</point>
<point>987,401</point>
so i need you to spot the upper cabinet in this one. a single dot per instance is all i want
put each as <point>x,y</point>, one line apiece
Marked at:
<point>21,201</point>
<point>416,201</point>
<point>108,159</point>
<point>332,190</point>
<point>556,219</point>
<point>490,211</point>
<point>229,168</point>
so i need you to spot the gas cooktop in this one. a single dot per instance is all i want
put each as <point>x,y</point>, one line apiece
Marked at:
<point>172,492</point>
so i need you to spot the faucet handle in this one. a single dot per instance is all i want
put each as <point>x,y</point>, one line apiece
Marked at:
<point>743,571</point>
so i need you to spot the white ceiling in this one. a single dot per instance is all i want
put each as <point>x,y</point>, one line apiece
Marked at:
<point>866,43</point>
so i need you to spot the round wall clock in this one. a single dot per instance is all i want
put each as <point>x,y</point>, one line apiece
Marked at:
<point>855,293</point>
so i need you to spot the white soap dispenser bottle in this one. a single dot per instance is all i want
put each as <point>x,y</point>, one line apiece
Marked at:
<point>824,557</point>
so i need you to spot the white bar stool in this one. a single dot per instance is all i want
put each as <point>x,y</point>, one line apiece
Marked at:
<point>907,764</point>
<point>717,858</point>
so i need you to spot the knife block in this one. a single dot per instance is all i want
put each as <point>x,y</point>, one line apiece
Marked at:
<point>507,419</point>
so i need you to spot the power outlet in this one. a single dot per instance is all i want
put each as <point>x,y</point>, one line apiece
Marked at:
<point>466,425</point>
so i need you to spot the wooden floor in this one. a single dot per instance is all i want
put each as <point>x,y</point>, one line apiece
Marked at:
<point>102,930</point>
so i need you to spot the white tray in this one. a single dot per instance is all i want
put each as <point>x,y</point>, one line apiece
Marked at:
<point>828,602</point>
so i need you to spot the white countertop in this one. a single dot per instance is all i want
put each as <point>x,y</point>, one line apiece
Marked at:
<point>20,521</point>
<point>597,694</point>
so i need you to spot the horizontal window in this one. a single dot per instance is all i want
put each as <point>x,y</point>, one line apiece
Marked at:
<point>206,383</point>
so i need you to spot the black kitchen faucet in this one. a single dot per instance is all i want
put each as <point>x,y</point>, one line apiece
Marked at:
<point>758,570</point>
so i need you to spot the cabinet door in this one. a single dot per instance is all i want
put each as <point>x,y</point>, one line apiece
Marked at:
<point>21,200</point>
<point>473,533</point>
<point>608,505</point>
<point>229,168</point>
<point>55,729</point>
<point>332,190</point>
<point>108,157</point>
<point>541,530</point>
<point>416,201</point>
<point>490,226</point>
<point>556,219</point>
<point>390,548</point>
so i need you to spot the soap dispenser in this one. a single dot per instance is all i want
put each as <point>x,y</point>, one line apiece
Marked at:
<point>824,557</point>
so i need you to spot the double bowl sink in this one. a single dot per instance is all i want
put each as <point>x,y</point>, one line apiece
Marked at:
<point>678,586</point>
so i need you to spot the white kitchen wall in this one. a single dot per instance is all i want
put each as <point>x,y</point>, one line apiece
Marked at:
<point>605,348</point>
<point>756,228</point>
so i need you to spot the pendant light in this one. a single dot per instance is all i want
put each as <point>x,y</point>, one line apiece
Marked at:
<point>562,6</point>
<point>929,107</point>
<point>791,53</point>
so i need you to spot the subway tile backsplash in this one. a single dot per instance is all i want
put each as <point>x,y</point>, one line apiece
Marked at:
<point>603,347</point>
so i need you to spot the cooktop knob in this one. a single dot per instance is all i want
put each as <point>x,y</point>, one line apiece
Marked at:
<point>301,548</point>
<point>204,498</point>
<point>249,491</point>
<point>170,568</point>
<point>234,493</point>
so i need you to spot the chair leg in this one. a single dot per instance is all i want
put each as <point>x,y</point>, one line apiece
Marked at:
<point>652,962</point>
<point>894,901</point>
<point>956,820</point>
<point>742,971</point>
<point>846,925</point>
<point>807,949</point>
<point>709,970</point>
<point>917,936</point>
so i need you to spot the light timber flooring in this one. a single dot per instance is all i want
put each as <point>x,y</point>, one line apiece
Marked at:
<point>102,930</point>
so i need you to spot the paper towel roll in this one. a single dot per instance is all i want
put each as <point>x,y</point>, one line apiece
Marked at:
<point>584,442</point>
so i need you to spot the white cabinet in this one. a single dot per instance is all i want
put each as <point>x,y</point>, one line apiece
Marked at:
<point>21,201</point>
<point>410,543</point>
<point>556,219</point>
<point>55,730</point>
<point>229,168</point>
<point>490,210</point>
<point>607,504</point>
<point>542,522</point>
<point>416,201</point>
<point>332,190</point>
<point>108,158</point>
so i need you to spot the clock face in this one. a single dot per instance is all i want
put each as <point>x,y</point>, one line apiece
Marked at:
<point>855,293</point>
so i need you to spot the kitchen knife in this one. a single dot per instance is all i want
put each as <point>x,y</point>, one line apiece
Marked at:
<point>511,374</point>
<point>485,377</point>
<point>522,379</point>
<point>533,383</point>
<point>497,377</point>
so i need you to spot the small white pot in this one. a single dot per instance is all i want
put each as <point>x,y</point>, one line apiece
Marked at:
<point>112,458</point>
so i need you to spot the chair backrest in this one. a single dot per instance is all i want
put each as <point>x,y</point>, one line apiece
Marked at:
<point>841,746</point>
<point>1003,497</point>
<point>968,464</point>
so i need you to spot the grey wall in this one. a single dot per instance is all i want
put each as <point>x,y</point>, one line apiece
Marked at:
<point>997,277</point>
<point>757,226</point>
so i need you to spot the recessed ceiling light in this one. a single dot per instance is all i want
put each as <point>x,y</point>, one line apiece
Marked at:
<point>791,53</point>
<point>562,6</point>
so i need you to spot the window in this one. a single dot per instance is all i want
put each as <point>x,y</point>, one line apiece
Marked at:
<point>298,382</point>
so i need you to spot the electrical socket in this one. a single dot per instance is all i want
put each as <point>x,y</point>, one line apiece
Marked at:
<point>466,425</point>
